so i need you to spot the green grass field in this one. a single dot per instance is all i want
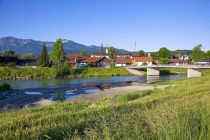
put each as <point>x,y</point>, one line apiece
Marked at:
<point>181,111</point>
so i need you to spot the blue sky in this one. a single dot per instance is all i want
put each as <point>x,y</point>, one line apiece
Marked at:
<point>175,24</point>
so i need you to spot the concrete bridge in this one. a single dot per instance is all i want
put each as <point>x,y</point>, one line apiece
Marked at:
<point>153,70</point>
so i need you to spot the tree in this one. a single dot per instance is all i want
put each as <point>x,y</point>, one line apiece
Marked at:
<point>164,61</point>
<point>164,53</point>
<point>111,52</point>
<point>83,53</point>
<point>44,59</point>
<point>154,56</point>
<point>8,53</point>
<point>198,54</point>
<point>65,70</point>
<point>58,55</point>
<point>189,60</point>
<point>208,54</point>
<point>141,53</point>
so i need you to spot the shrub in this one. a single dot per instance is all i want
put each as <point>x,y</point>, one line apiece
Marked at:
<point>5,87</point>
<point>64,70</point>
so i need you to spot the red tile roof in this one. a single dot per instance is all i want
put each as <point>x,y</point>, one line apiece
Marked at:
<point>93,59</point>
<point>175,61</point>
<point>142,59</point>
<point>123,61</point>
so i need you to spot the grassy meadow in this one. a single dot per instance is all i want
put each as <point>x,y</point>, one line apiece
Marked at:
<point>181,111</point>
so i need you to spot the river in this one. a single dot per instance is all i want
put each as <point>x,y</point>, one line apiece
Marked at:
<point>23,84</point>
<point>30,91</point>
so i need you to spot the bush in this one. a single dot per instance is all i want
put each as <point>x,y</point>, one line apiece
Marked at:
<point>10,65</point>
<point>64,70</point>
<point>5,87</point>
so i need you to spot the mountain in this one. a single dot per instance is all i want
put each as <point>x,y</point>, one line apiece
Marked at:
<point>23,46</point>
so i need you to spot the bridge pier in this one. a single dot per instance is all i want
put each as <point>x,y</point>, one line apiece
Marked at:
<point>193,73</point>
<point>153,72</point>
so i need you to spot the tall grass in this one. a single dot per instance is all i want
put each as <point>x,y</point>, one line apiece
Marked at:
<point>178,112</point>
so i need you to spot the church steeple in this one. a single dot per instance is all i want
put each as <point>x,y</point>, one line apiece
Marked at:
<point>102,48</point>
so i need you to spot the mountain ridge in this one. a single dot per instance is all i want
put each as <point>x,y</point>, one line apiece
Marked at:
<point>25,46</point>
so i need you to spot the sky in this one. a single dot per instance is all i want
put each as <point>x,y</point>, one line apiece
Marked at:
<point>175,24</point>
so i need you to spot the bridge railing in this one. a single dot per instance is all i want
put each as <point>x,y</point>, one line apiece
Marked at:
<point>170,66</point>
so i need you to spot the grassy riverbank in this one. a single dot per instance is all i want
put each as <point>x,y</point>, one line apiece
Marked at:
<point>99,72</point>
<point>181,111</point>
<point>165,71</point>
<point>44,73</point>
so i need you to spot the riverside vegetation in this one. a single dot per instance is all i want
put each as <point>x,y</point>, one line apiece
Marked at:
<point>181,111</point>
<point>8,73</point>
<point>46,72</point>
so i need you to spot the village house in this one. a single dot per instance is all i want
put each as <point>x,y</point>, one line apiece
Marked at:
<point>176,62</point>
<point>139,61</point>
<point>126,54</point>
<point>100,62</point>
<point>122,62</point>
<point>99,54</point>
<point>183,56</point>
<point>72,58</point>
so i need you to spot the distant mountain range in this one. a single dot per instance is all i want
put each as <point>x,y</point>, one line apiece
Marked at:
<point>23,46</point>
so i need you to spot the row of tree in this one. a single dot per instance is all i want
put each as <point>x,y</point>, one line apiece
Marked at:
<point>55,58</point>
<point>164,54</point>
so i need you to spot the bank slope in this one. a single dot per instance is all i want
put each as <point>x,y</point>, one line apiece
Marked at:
<point>181,111</point>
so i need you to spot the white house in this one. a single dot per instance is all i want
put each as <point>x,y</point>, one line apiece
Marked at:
<point>139,61</point>
<point>122,62</point>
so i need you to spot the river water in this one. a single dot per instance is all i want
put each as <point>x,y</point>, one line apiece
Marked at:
<point>79,82</point>
<point>30,91</point>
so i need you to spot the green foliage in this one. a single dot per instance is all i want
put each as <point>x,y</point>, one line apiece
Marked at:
<point>44,59</point>
<point>141,53</point>
<point>164,53</point>
<point>188,52</point>
<point>198,54</point>
<point>83,53</point>
<point>8,53</point>
<point>189,60</point>
<point>59,97</point>
<point>27,73</point>
<point>11,65</point>
<point>164,61</point>
<point>208,54</point>
<point>65,70</point>
<point>111,52</point>
<point>94,72</point>
<point>5,87</point>
<point>154,56</point>
<point>112,65</point>
<point>28,56</point>
<point>57,54</point>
